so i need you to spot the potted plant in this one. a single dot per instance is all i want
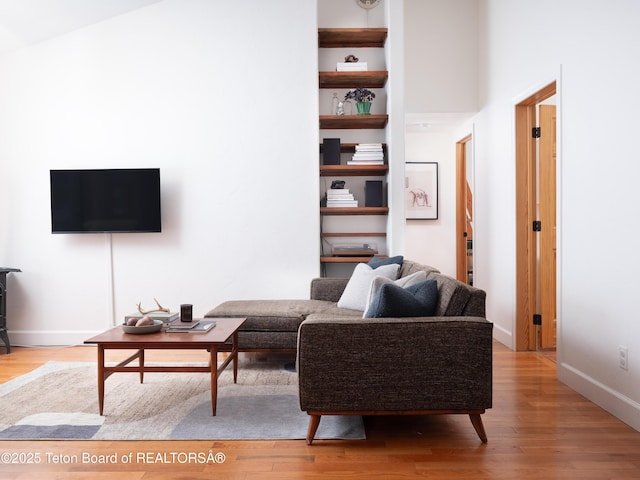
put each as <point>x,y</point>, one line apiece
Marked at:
<point>363,98</point>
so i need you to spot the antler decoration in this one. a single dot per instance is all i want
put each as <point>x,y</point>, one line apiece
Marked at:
<point>159,309</point>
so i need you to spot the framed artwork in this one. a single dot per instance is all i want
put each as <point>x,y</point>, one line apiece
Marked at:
<point>421,191</point>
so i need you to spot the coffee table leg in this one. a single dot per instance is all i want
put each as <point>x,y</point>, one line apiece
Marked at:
<point>101,378</point>
<point>234,352</point>
<point>141,364</point>
<point>213,365</point>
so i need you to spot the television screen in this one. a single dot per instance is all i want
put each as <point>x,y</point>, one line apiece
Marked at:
<point>105,201</point>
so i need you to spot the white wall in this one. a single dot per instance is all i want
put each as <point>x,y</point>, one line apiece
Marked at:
<point>522,49</point>
<point>440,56</point>
<point>221,97</point>
<point>341,14</point>
<point>441,91</point>
<point>433,242</point>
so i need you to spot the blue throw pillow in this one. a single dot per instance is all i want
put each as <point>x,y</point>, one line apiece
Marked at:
<point>376,262</point>
<point>418,300</point>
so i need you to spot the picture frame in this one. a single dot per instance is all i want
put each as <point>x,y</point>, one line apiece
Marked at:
<point>421,190</point>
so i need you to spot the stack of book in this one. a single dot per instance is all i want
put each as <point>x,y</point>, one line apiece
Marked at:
<point>164,316</point>
<point>191,327</point>
<point>340,197</point>
<point>368,154</point>
<point>351,67</point>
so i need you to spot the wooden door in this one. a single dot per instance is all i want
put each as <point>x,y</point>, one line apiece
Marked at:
<point>547,235</point>
<point>464,214</point>
<point>527,259</point>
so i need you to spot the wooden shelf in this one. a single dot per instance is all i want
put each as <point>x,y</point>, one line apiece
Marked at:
<point>345,259</point>
<point>353,121</point>
<point>351,147</point>
<point>351,37</point>
<point>368,79</point>
<point>354,234</point>
<point>354,210</point>
<point>353,170</point>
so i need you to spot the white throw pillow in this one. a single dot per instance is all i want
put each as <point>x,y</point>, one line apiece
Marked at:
<point>355,293</point>
<point>403,282</point>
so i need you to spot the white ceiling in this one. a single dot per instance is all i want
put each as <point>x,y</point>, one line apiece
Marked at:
<point>26,22</point>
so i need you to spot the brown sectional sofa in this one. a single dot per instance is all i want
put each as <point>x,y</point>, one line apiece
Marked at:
<point>350,365</point>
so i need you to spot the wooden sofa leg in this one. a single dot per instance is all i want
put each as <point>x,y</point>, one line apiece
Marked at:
<point>314,421</point>
<point>476,420</point>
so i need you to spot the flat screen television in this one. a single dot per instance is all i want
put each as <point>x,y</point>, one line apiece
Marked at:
<point>105,201</point>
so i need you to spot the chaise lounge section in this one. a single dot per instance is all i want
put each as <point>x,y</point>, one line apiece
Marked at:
<point>272,325</point>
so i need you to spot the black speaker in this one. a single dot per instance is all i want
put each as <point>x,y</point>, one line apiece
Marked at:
<point>331,151</point>
<point>373,193</point>
<point>186,312</point>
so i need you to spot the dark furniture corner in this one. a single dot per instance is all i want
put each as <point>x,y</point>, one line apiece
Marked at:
<point>350,365</point>
<point>3,305</point>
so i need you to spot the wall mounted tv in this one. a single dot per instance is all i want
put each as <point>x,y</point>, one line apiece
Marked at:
<point>105,201</point>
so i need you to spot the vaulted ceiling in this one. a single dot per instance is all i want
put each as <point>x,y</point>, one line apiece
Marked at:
<point>26,22</point>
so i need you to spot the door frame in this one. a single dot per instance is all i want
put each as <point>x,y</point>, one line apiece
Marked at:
<point>525,168</point>
<point>461,208</point>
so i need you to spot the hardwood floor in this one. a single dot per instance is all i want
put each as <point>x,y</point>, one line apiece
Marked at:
<point>538,429</point>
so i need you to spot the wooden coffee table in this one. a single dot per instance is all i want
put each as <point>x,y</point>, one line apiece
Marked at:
<point>211,341</point>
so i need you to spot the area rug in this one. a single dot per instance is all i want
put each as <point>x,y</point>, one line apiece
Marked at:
<point>60,401</point>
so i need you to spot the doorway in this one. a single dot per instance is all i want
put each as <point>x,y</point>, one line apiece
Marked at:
<point>464,210</point>
<point>535,222</point>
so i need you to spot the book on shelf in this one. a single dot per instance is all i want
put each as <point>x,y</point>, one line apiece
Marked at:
<point>366,161</point>
<point>342,203</point>
<point>178,324</point>
<point>352,67</point>
<point>367,154</point>
<point>365,151</point>
<point>369,146</point>
<point>339,196</point>
<point>166,317</point>
<point>201,327</point>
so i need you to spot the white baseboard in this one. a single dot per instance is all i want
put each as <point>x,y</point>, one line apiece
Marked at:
<point>612,401</point>
<point>503,336</point>
<point>50,338</point>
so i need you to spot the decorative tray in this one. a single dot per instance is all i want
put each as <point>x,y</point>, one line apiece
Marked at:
<point>156,327</point>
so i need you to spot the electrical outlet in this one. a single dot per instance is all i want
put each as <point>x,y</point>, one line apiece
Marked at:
<point>624,357</point>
